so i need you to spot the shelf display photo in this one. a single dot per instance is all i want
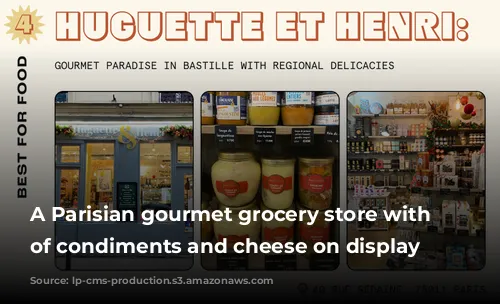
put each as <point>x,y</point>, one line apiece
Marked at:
<point>274,152</point>
<point>422,152</point>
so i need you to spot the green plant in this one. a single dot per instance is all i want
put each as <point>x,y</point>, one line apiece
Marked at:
<point>65,130</point>
<point>178,131</point>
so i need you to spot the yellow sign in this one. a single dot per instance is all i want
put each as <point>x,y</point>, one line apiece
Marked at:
<point>24,25</point>
<point>126,137</point>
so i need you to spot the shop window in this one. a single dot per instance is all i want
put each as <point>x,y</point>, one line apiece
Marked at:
<point>100,176</point>
<point>184,154</point>
<point>155,175</point>
<point>70,154</point>
<point>69,186</point>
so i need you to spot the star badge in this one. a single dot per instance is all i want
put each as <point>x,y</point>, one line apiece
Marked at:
<point>24,25</point>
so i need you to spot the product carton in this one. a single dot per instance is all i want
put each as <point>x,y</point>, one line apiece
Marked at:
<point>463,217</point>
<point>449,215</point>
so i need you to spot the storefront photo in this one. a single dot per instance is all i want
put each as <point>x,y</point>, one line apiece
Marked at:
<point>420,151</point>
<point>124,151</point>
<point>275,152</point>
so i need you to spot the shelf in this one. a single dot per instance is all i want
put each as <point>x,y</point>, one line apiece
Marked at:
<point>373,229</point>
<point>392,115</point>
<point>461,130</point>
<point>280,130</point>
<point>383,153</point>
<point>460,146</point>
<point>380,171</point>
<point>396,137</point>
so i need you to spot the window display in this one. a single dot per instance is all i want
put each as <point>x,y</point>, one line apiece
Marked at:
<point>278,157</point>
<point>99,178</point>
<point>420,149</point>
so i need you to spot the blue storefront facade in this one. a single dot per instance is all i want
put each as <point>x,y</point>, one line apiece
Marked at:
<point>96,160</point>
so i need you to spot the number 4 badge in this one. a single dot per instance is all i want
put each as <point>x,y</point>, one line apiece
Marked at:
<point>24,25</point>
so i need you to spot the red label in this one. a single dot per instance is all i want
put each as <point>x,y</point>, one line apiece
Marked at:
<point>315,183</point>
<point>231,188</point>
<point>314,234</point>
<point>278,235</point>
<point>277,183</point>
<point>232,239</point>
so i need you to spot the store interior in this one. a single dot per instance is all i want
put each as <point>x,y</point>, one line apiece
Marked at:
<point>419,149</point>
<point>265,165</point>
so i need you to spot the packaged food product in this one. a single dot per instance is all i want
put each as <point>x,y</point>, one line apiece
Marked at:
<point>264,108</point>
<point>327,99</point>
<point>423,161</point>
<point>231,108</point>
<point>278,182</point>
<point>318,232</point>
<point>275,231</point>
<point>316,181</point>
<point>327,115</point>
<point>427,178</point>
<point>297,109</point>
<point>418,178</point>
<point>235,178</point>
<point>233,231</point>
<point>206,226</point>
<point>208,108</point>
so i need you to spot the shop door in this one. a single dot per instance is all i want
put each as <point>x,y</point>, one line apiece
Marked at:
<point>182,193</point>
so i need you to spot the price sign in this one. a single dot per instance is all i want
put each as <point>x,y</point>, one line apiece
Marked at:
<point>264,136</point>
<point>444,191</point>
<point>225,135</point>
<point>332,135</point>
<point>232,261</point>
<point>281,262</point>
<point>302,136</point>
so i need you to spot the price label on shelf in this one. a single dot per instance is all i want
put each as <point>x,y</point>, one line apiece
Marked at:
<point>464,191</point>
<point>264,136</point>
<point>445,191</point>
<point>232,261</point>
<point>323,261</point>
<point>225,135</point>
<point>302,136</point>
<point>281,262</point>
<point>332,135</point>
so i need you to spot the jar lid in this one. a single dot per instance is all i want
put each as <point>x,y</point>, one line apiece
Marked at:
<point>278,161</point>
<point>316,160</point>
<point>235,155</point>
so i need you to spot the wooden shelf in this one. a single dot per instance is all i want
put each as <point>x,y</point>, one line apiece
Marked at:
<point>396,137</point>
<point>280,130</point>
<point>391,115</point>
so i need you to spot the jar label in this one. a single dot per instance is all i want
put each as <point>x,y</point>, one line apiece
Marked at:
<point>231,188</point>
<point>277,183</point>
<point>425,180</point>
<point>299,98</point>
<point>278,235</point>
<point>327,99</point>
<point>326,120</point>
<point>315,183</point>
<point>232,239</point>
<point>314,234</point>
<point>231,108</point>
<point>207,105</point>
<point>264,99</point>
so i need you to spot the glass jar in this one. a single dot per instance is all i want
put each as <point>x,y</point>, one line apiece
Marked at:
<point>231,108</point>
<point>297,109</point>
<point>233,231</point>
<point>235,178</point>
<point>264,109</point>
<point>208,108</point>
<point>316,182</point>
<point>207,230</point>
<point>327,115</point>
<point>278,182</point>
<point>318,232</point>
<point>275,231</point>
